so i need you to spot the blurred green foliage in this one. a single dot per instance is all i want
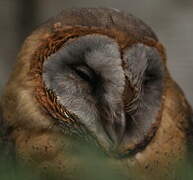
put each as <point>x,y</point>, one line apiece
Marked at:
<point>97,169</point>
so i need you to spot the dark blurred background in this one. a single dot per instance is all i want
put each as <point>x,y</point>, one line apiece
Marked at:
<point>172,20</point>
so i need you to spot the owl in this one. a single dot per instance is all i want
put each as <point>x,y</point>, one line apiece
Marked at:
<point>91,90</point>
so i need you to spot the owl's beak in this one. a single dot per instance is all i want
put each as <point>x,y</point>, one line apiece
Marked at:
<point>111,135</point>
<point>115,130</point>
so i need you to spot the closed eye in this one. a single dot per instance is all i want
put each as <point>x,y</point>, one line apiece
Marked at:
<point>149,78</point>
<point>84,72</point>
<point>154,73</point>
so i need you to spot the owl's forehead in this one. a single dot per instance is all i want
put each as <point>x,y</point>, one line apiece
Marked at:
<point>105,18</point>
<point>71,24</point>
<point>63,35</point>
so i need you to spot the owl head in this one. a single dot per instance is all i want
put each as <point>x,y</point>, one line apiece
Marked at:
<point>98,74</point>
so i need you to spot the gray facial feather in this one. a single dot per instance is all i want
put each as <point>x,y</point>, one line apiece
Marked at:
<point>136,61</point>
<point>101,55</point>
<point>146,73</point>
